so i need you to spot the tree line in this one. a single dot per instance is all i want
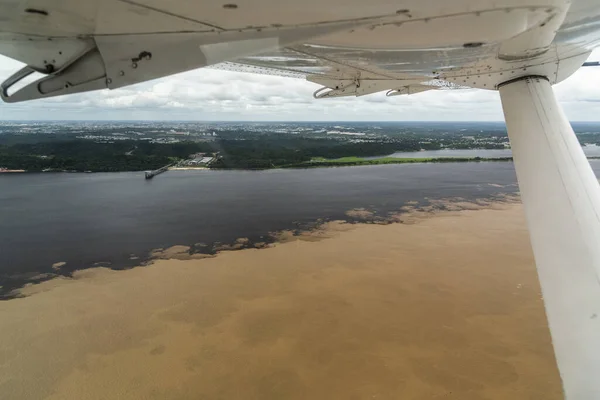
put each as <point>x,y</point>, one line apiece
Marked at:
<point>137,155</point>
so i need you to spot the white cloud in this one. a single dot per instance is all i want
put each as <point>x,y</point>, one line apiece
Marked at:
<point>214,95</point>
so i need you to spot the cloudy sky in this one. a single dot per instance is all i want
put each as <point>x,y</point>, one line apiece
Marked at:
<point>213,95</point>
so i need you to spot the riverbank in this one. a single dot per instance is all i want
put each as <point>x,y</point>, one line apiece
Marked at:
<point>317,162</point>
<point>336,162</point>
<point>357,161</point>
<point>439,304</point>
<point>188,168</point>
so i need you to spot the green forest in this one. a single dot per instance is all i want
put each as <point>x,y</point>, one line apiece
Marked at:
<point>256,153</point>
<point>85,155</point>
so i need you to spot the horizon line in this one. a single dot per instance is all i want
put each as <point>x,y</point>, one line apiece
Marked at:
<point>264,121</point>
<point>274,121</point>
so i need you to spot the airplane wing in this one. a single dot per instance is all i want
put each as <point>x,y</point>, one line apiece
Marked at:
<point>358,47</point>
<point>349,47</point>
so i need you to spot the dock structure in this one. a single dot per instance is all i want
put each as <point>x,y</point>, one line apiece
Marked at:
<point>152,174</point>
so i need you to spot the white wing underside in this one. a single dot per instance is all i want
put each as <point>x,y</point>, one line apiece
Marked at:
<point>349,47</point>
<point>313,64</point>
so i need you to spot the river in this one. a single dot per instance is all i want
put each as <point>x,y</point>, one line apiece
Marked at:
<point>116,219</point>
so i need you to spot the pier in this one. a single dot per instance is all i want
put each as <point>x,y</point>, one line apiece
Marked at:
<point>152,174</point>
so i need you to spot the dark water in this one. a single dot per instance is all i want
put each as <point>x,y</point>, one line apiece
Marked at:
<point>84,219</point>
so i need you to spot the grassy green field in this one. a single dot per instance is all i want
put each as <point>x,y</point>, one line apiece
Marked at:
<point>350,161</point>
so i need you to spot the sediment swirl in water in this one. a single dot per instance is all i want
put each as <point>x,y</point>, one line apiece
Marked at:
<point>444,305</point>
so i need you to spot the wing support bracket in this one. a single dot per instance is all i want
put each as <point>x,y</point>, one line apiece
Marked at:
<point>85,73</point>
<point>342,89</point>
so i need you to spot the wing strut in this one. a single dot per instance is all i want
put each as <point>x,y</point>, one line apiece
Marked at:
<point>561,197</point>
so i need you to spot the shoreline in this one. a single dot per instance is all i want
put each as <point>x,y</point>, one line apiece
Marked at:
<point>341,162</point>
<point>327,163</point>
<point>358,161</point>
